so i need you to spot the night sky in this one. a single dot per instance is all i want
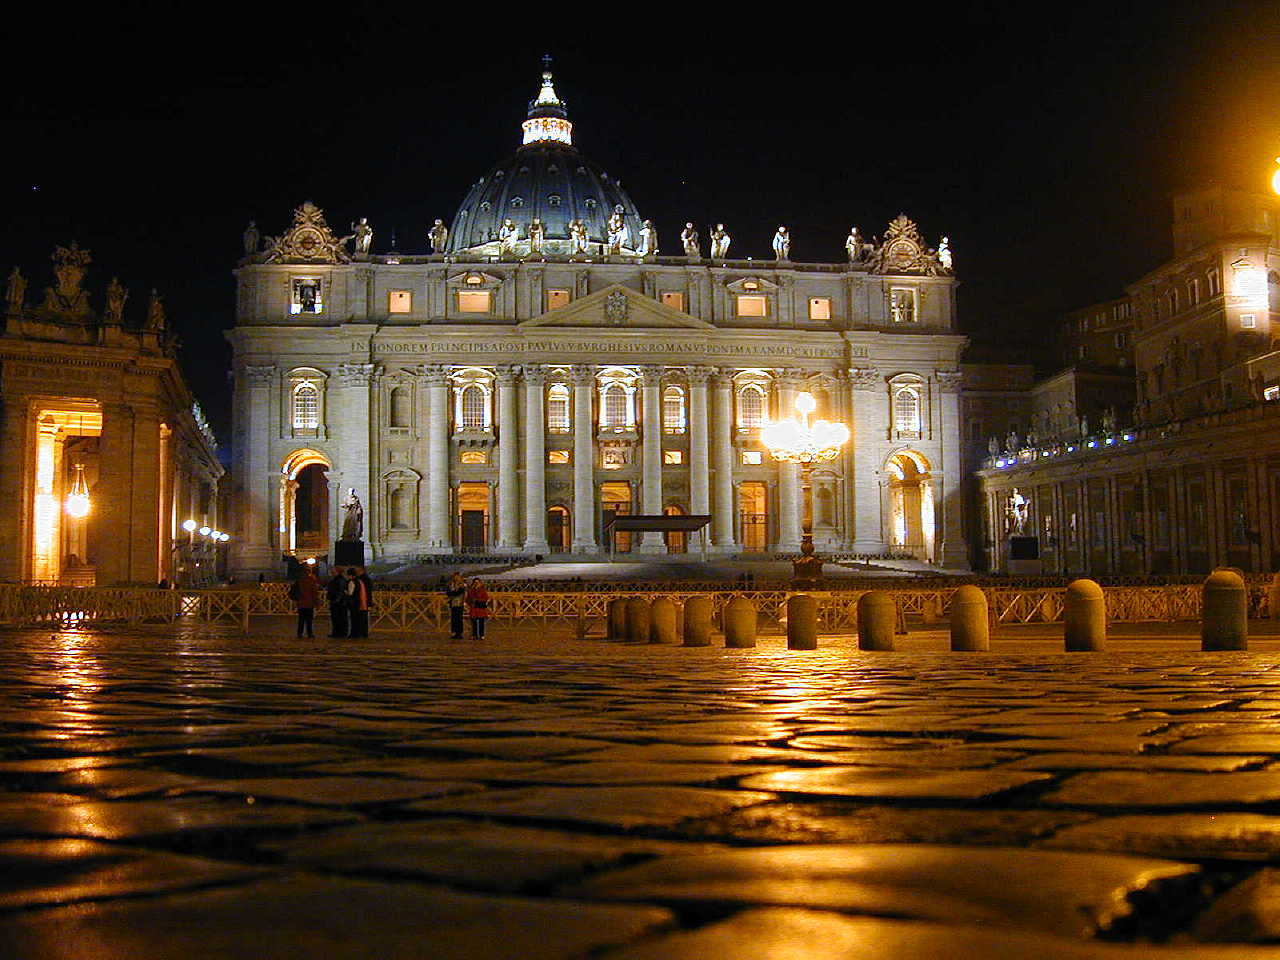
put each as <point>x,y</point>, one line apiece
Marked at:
<point>1044,140</point>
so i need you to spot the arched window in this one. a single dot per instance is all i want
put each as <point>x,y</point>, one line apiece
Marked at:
<point>306,406</point>
<point>906,410</point>
<point>558,408</point>
<point>473,407</point>
<point>751,407</point>
<point>615,406</point>
<point>399,403</point>
<point>673,420</point>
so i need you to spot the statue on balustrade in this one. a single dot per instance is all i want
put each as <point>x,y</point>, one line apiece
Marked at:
<point>16,291</point>
<point>116,296</point>
<point>853,245</point>
<point>720,241</point>
<point>252,239</point>
<point>689,240</point>
<point>619,234</point>
<point>537,233</point>
<point>578,238</point>
<point>362,233</point>
<point>648,240</point>
<point>438,235</point>
<point>508,234</point>
<point>782,244</point>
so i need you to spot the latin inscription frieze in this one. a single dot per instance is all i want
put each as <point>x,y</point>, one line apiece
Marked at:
<point>833,351</point>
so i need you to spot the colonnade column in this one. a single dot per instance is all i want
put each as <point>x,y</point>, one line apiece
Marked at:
<point>438,420</point>
<point>870,426</point>
<point>788,477</point>
<point>535,462</point>
<point>584,498</point>
<point>722,524</point>
<point>651,386</point>
<point>15,538</point>
<point>954,551</point>
<point>699,474</point>
<point>508,458</point>
<point>253,548</point>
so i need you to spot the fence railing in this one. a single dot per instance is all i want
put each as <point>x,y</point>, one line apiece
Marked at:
<point>408,610</point>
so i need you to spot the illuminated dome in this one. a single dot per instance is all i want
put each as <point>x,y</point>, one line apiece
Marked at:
<point>547,178</point>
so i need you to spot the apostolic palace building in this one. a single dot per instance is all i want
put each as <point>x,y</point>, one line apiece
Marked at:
<point>553,363</point>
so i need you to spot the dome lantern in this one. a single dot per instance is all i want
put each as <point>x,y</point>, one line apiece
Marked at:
<point>548,116</point>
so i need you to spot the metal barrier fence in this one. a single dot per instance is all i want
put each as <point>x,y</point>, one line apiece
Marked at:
<point>406,610</point>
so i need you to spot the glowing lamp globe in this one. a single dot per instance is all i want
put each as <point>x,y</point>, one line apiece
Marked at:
<point>188,525</point>
<point>1275,177</point>
<point>205,531</point>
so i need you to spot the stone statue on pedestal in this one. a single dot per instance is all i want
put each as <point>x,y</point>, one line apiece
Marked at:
<point>155,313</point>
<point>363,235</point>
<point>508,234</point>
<point>619,234</point>
<point>1018,511</point>
<point>353,517</point>
<point>16,291</point>
<point>944,253</point>
<point>782,244</point>
<point>438,235</point>
<point>648,240</point>
<point>853,245</point>
<point>577,237</point>
<point>537,233</point>
<point>116,296</point>
<point>689,240</point>
<point>720,241</point>
<point>252,239</point>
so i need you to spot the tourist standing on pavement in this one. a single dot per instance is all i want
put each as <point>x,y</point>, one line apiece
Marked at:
<point>336,593</point>
<point>455,592</point>
<point>477,607</point>
<point>357,602</point>
<point>306,593</point>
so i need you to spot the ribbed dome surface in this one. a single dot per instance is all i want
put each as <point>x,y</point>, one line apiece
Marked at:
<point>548,180</point>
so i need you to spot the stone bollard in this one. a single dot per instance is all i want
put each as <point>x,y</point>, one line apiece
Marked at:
<point>1224,616</point>
<point>697,622</point>
<point>969,629</point>
<point>1084,616</point>
<point>740,623</point>
<point>662,621</point>
<point>637,620</point>
<point>877,620</point>
<point>617,619</point>
<point>802,622</point>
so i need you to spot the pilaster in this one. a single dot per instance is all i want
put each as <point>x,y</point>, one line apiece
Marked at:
<point>535,462</point>
<point>508,459</point>
<point>870,425</point>
<point>651,541</point>
<point>584,501</point>
<point>438,424</point>
<point>722,520</point>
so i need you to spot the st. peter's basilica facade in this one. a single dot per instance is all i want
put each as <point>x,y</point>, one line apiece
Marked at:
<point>553,363</point>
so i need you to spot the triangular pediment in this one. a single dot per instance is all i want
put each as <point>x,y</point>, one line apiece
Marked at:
<point>619,308</point>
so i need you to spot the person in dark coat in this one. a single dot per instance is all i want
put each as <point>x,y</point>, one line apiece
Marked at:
<point>359,594</point>
<point>477,607</point>
<point>307,597</point>
<point>336,593</point>
<point>455,592</point>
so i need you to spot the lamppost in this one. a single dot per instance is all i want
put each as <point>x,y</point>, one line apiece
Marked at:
<point>202,548</point>
<point>798,441</point>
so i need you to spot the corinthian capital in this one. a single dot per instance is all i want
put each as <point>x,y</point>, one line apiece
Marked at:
<point>535,375</point>
<point>698,376</point>
<point>581,375</point>
<point>949,380</point>
<point>651,375</point>
<point>865,378</point>
<point>434,374</point>
<point>357,374</point>
<point>259,376</point>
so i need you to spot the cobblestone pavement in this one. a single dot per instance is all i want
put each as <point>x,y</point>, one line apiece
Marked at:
<point>203,795</point>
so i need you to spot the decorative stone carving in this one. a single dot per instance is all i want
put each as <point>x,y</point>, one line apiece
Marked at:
<point>16,291</point>
<point>903,251</point>
<point>865,378</point>
<point>260,376</point>
<point>68,297</point>
<point>117,294</point>
<point>689,240</point>
<point>534,374</point>
<point>699,375</point>
<point>353,516</point>
<point>616,307</point>
<point>720,241</point>
<point>309,240</point>
<point>438,235</point>
<point>581,374</point>
<point>949,380</point>
<point>651,375</point>
<point>434,374</point>
<point>505,373</point>
<point>357,374</point>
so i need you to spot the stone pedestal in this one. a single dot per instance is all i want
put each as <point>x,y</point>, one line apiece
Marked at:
<point>1024,557</point>
<point>348,553</point>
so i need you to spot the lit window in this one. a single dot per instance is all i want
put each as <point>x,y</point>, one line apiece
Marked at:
<point>557,456</point>
<point>1271,393</point>
<point>557,299</point>
<point>558,408</point>
<point>819,308</point>
<point>306,296</point>
<point>474,456</point>
<point>473,407</point>
<point>615,406</point>
<point>1215,283</point>
<point>306,406</point>
<point>673,299</point>
<point>1193,291</point>
<point>473,301</point>
<point>752,458</point>
<point>751,407</point>
<point>752,306</point>
<point>1248,321</point>
<point>672,457</point>
<point>906,411</point>
<point>399,301</point>
<point>673,410</point>
<point>902,305</point>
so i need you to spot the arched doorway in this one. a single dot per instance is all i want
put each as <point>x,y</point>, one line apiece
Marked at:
<point>677,541</point>
<point>753,515</point>
<point>558,529</point>
<point>615,500</point>
<point>911,504</point>
<point>304,503</point>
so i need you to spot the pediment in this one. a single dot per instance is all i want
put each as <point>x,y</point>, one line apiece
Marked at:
<point>618,307</point>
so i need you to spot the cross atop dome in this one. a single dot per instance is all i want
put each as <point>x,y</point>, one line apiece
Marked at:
<point>548,115</point>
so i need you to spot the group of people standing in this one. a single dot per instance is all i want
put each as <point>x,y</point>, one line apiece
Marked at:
<point>469,598</point>
<point>349,593</point>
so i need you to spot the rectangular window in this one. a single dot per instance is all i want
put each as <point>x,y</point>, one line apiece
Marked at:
<point>752,458</point>
<point>673,299</point>
<point>1248,321</point>
<point>819,308</point>
<point>557,456</point>
<point>902,305</point>
<point>399,301</point>
<point>558,410</point>
<point>473,457</point>
<point>672,457</point>
<point>474,301</point>
<point>753,305</point>
<point>557,299</point>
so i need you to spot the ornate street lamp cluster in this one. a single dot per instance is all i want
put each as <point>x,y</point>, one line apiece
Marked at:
<point>216,536</point>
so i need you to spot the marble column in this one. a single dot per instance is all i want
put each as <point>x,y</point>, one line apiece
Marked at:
<point>651,500</point>
<point>949,516</point>
<point>870,406</point>
<point>535,462</point>
<point>584,495</point>
<point>15,536</point>
<point>699,472</point>
<point>722,521</point>
<point>438,426</point>
<point>508,461</point>
<point>254,553</point>
<point>789,492</point>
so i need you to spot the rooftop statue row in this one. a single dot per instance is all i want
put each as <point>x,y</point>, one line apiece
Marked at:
<point>67,300</point>
<point>310,240</point>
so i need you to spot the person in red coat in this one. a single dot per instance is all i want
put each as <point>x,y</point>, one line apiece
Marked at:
<point>306,591</point>
<point>477,607</point>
